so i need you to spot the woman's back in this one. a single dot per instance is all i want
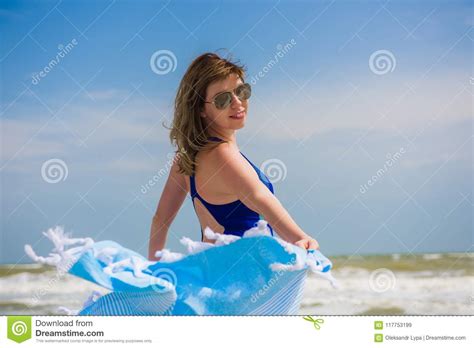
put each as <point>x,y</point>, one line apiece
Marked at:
<point>216,208</point>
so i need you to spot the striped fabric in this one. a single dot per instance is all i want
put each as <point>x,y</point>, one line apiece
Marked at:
<point>132,303</point>
<point>287,300</point>
<point>253,275</point>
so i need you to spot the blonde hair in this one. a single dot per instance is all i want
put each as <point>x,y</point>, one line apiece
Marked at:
<point>188,131</point>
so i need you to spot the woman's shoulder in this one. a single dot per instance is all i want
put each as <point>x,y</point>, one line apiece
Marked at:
<point>231,164</point>
<point>220,156</point>
<point>222,152</point>
<point>210,157</point>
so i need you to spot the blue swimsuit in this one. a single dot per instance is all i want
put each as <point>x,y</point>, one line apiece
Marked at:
<point>235,217</point>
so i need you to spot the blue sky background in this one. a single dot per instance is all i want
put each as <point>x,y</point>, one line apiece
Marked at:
<point>321,111</point>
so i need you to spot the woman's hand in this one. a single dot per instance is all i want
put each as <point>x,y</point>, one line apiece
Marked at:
<point>308,243</point>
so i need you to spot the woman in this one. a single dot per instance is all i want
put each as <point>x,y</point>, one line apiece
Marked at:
<point>229,193</point>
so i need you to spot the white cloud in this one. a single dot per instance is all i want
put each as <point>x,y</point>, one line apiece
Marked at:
<point>25,140</point>
<point>337,105</point>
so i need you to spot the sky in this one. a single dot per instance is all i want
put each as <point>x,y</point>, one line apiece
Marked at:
<point>361,115</point>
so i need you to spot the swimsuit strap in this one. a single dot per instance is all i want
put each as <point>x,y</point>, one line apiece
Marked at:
<point>194,192</point>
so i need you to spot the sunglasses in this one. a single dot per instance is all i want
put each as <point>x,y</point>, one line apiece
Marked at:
<point>223,100</point>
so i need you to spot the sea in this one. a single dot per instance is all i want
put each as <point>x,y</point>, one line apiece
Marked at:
<point>394,284</point>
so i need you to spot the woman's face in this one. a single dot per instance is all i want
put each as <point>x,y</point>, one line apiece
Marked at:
<point>234,115</point>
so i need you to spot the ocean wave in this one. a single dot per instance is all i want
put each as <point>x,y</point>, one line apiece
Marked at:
<point>408,262</point>
<point>411,293</point>
<point>42,293</point>
<point>431,256</point>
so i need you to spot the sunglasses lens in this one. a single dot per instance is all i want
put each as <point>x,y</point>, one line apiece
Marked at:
<point>243,92</point>
<point>223,100</point>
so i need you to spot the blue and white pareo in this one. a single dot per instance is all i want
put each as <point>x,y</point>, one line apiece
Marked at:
<point>256,274</point>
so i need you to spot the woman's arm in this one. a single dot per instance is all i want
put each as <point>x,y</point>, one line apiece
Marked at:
<point>240,179</point>
<point>171,199</point>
